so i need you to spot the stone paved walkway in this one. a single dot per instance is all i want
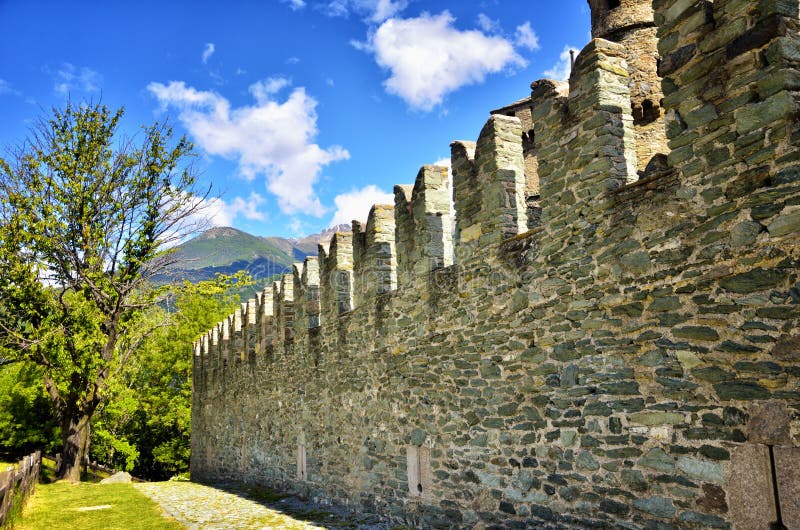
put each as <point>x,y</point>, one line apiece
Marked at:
<point>198,506</point>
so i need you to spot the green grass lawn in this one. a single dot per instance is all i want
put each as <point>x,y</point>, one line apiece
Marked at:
<point>113,506</point>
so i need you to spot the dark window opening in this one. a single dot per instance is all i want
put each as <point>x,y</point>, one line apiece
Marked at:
<point>647,113</point>
<point>419,488</point>
<point>528,139</point>
<point>613,4</point>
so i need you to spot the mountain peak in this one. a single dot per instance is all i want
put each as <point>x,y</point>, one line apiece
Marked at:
<point>347,227</point>
<point>220,232</point>
<point>309,243</point>
<point>226,250</point>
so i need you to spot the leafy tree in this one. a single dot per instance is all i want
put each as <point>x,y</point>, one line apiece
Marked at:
<point>145,425</point>
<point>84,216</point>
<point>26,419</point>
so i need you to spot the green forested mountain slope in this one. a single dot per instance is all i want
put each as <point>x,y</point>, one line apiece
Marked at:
<point>222,246</point>
<point>228,250</point>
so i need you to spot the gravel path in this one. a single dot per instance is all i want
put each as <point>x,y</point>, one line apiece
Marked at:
<point>199,506</point>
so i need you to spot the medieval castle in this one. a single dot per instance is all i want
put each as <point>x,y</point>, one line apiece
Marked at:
<point>604,336</point>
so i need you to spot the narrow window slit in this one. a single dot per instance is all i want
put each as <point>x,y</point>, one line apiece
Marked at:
<point>776,525</point>
<point>418,468</point>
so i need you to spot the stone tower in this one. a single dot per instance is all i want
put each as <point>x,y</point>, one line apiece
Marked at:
<point>630,23</point>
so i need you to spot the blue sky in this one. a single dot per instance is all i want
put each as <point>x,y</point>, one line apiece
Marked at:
<point>303,112</point>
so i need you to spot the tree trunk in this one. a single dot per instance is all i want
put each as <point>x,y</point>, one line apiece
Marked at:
<point>74,432</point>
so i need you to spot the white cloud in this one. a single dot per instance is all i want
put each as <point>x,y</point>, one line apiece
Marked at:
<point>561,70</point>
<point>337,8</point>
<point>199,213</point>
<point>292,60</point>
<point>526,37</point>
<point>214,212</point>
<point>248,208</point>
<point>264,90</point>
<point>208,51</point>
<point>428,58</point>
<point>295,5</point>
<point>357,203</point>
<point>361,46</point>
<point>384,9</point>
<point>296,226</point>
<point>218,212</point>
<point>272,139</point>
<point>68,78</point>
<point>6,88</point>
<point>444,162</point>
<point>487,24</point>
<point>374,11</point>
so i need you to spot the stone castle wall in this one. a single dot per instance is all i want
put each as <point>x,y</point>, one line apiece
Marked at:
<point>631,362</point>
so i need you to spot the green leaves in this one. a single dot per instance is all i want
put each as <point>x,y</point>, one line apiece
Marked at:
<point>26,420</point>
<point>149,406</point>
<point>84,216</point>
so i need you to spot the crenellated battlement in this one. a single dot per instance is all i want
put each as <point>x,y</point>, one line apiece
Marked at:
<point>374,254</point>
<point>579,159</point>
<point>423,225</point>
<point>489,186</point>
<point>602,332</point>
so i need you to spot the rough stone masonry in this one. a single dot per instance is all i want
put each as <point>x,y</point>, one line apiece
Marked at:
<point>605,335</point>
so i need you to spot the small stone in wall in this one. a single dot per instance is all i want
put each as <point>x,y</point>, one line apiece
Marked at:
<point>769,424</point>
<point>688,359</point>
<point>752,281</point>
<point>657,459</point>
<point>702,469</point>
<point>787,348</point>
<point>785,224</point>
<point>658,506</point>
<point>740,390</point>
<point>745,233</point>
<point>713,498</point>
<point>417,437</point>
